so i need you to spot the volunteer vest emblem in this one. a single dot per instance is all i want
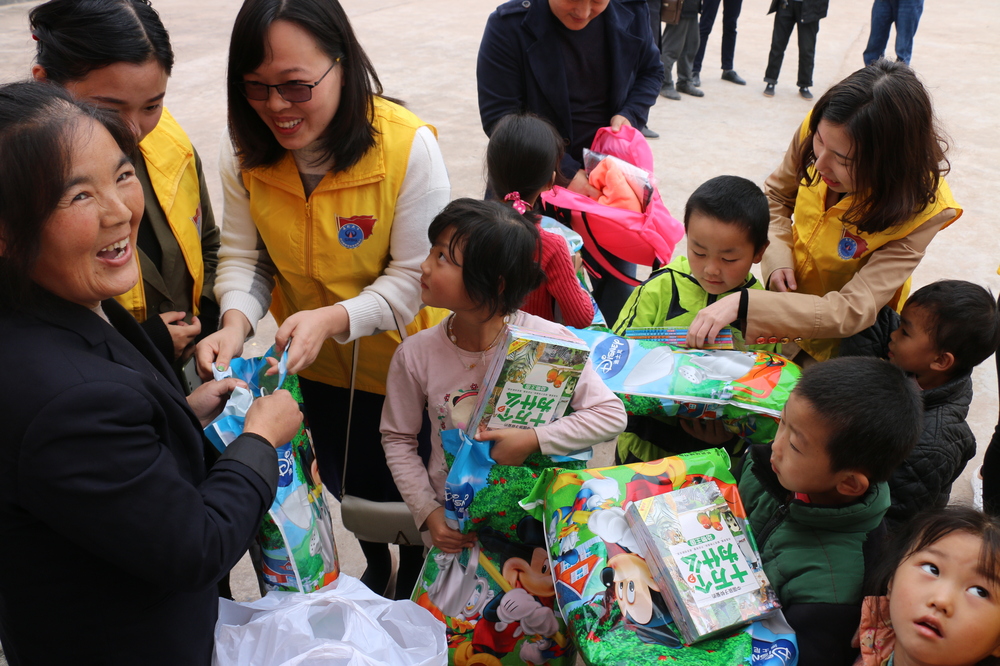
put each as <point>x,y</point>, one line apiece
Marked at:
<point>851,246</point>
<point>354,230</point>
<point>197,218</point>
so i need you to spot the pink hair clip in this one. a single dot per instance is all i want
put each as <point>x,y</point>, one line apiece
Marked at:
<point>518,205</point>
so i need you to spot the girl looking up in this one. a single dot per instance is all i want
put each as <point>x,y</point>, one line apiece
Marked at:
<point>329,188</point>
<point>481,266</point>
<point>116,54</point>
<point>854,205</point>
<point>521,160</point>
<point>941,581</point>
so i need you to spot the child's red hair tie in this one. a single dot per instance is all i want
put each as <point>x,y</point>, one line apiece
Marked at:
<point>515,199</point>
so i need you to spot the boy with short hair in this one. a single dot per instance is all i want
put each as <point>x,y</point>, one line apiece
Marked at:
<point>726,221</point>
<point>945,330</point>
<point>816,495</point>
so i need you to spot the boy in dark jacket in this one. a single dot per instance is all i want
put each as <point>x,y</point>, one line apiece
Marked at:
<point>945,330</point>
<point>816,497</point>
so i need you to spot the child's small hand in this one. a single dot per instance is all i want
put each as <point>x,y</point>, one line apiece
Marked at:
<point>510,445</point>
<point>445,538</point>
<point>710,431</point>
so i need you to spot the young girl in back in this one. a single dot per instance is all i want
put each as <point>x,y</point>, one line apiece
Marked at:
<point>481,266</point>
<point>521,161</point>
<point>941,581</point>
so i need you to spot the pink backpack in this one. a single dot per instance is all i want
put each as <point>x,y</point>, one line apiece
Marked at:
<point>645,238</point>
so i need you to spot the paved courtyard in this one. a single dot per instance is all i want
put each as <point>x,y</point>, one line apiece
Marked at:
<point>425,54</point>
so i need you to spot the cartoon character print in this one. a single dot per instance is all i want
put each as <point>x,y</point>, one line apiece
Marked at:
<point>456,408</point>
<point>631,586</point>
<point>761,380</point>
<point>525,609</point>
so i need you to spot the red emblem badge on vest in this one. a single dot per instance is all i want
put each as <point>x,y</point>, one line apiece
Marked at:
<point>851,246</point>
<point>354,230</point>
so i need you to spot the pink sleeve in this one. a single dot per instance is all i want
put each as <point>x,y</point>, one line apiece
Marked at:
<point>599,416</point>
<point>402,416</point>
<point>574,301</point>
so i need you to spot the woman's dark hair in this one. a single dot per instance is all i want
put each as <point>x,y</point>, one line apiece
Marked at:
<point>523,153</point>
<point>76,37</point>
<point>899,153</point>
<point>500,250</point>
<point>37,121</point>
<point>352,132</point>
<point>927,528</point>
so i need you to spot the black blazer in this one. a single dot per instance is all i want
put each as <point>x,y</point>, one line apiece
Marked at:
<point>520,68</point>
<point>113,531</point>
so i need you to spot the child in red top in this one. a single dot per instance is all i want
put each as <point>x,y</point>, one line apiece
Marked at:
<point>521,162</point>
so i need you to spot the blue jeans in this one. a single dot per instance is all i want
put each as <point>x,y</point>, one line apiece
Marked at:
<point>906,15</point>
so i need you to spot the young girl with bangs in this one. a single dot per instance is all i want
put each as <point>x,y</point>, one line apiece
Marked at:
<point>854,205</point>
<point>481,266</point>
<point>939,594</point>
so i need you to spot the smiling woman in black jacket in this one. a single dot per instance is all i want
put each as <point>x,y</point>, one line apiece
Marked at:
<point>115,530</point>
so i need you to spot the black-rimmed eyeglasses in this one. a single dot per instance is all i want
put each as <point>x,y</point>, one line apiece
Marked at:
<point>290,92</point>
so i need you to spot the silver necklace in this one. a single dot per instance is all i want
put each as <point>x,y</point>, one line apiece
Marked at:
<point>482,354</point>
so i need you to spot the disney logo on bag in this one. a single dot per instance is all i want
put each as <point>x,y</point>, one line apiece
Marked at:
<point>610,356</point>
<point>458,499</point>
<point>286,465</point>
<point>778,653</point>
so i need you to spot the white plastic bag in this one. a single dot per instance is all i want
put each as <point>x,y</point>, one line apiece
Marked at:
<point>343,624</point>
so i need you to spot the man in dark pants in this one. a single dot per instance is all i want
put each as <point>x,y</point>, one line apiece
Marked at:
<point>730,15</point>
<point>804,15</point>
<point>654,26</point>
<point>680,44</point>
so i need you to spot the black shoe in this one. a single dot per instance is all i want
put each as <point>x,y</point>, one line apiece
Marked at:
<point>696,80</point>
<point>769,90</point>
<point>649,134</point>
<point>806,94</point>
<point>731,76</point>
<point>688,89</point>
<point>669,92</point>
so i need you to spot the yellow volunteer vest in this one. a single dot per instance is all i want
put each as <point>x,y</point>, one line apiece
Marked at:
<point>828,251</point>
<point>327,249</point>
<point>170,162</point>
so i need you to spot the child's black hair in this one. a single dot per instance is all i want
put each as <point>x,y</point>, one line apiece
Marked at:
<point>523,153</point>
<point>500,250</point>
<point>926,529</point>
<point>732,200</point>
<point>874,410</point>
<point>963,319</point>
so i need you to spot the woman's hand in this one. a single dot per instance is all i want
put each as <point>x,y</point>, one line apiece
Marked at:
<point>581,185</point>
<point>710,431</point>
<point>510,445</point>
<point>782,279</point>
<point>617,122</point>
<point>274,417</point>
<point>207,400</point>
<point>219,348</point>
<point>709,321</point>
<point>182,334</point>
<point>306,331</point>
<point>444,537</point>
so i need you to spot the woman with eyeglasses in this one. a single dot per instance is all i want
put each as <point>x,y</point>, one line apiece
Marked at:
<point>329,190</point>
<point>116,54</point>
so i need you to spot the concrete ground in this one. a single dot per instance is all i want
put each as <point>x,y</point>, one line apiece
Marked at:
<point>425,53</point>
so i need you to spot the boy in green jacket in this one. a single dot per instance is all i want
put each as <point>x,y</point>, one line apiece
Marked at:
<point>726,221</point>
<point>816,497</point>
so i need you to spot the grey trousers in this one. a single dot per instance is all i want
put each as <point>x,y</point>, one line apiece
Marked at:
<point>679,44</point>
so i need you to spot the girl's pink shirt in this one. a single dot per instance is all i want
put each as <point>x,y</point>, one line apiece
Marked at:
<point>429,372</point>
